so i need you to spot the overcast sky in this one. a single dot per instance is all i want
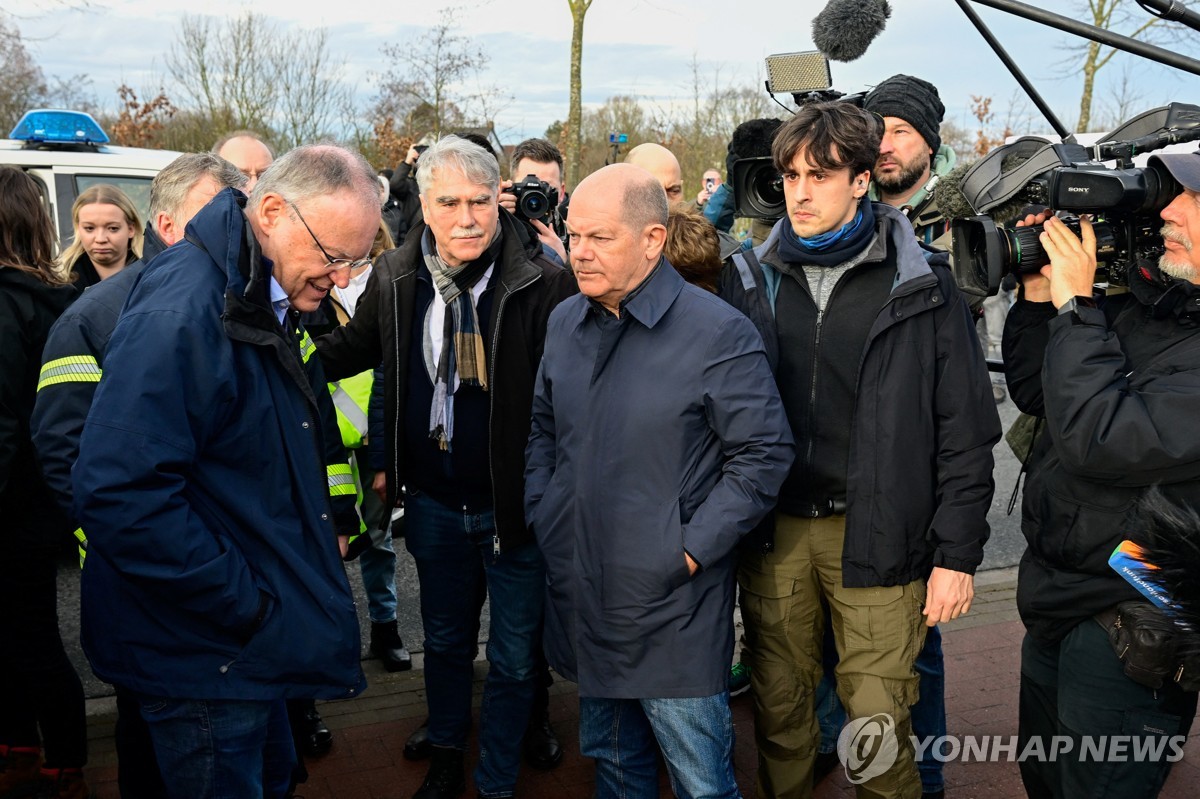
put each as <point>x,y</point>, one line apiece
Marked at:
<point>636,47</point>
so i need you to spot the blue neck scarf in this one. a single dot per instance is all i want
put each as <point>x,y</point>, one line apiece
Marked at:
<point>833,247</point>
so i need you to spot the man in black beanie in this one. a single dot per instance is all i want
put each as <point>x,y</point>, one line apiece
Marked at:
<point>911,154</point>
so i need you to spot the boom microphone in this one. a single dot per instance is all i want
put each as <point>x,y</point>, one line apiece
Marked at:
<point>952,203</point>
<point>845,28</point>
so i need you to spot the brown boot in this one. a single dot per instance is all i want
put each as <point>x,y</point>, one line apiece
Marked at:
<point>20,775</point>
<point>63,783</point>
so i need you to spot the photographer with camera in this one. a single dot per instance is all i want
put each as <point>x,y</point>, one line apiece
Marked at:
<point>1117,384</point>
<point>405,192</point>
<point>537,193</point>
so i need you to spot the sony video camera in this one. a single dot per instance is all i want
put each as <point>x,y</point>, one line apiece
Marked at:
<point>1124,200</point>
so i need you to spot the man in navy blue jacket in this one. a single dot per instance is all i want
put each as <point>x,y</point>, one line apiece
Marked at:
<point>659,440</point>
<point>216,510</point>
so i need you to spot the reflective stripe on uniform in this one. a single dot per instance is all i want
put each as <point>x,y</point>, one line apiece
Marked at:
<point>82,545</point>
<point>307,347</point>
<point>341,480</point>
<point>346,405</point>
<point>72,369</point>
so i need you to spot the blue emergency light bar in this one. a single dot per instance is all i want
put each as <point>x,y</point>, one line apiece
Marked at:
<point>47,125</point>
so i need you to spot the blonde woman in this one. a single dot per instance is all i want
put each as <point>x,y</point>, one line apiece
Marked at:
<point>108,235</point>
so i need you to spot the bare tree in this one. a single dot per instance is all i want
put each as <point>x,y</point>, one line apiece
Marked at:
<point>23,86</point>
<point>1129,19</point>
<point>313,96</point>
<point>574,128</point>
<point>430,81</point>
<point>245,72</point>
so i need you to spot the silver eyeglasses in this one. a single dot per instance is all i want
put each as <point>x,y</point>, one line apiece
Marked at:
<point>334,264</point>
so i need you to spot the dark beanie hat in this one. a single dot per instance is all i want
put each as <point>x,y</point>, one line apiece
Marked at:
<point>914,100</point>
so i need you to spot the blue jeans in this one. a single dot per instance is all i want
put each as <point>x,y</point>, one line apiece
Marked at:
<point>221,748</point>
<point>694,734</point>
<point>454,551</point>
<point>928,714</point>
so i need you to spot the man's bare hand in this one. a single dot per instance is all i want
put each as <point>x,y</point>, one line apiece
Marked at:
<point>948,595</point>
<point>343,544</point>
<point>548,237</point>
<point>379,486</point>
<point>1072,269</point>
<point>693,566</point>
<point>508,200</point>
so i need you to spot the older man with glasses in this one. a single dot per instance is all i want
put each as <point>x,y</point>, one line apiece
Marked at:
<point>213,485</point>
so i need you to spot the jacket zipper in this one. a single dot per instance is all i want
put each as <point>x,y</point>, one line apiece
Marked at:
<point>503,299</point>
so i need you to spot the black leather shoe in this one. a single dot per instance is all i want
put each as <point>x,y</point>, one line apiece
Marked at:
<point>445,779</point>
<point>388,646</point>
<point>417,747</point>
<point>542,749</point>
<point>315,737</point>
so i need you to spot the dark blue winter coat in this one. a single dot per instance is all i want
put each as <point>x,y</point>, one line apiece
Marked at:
<point>213,569</point>
<point>655,434</point>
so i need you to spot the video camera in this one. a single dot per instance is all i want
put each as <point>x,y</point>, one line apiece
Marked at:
<point>757,184</point>
<point>536,199</point>
<point>1124,200</point>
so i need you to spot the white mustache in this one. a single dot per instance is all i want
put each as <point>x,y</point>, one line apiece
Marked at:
<point>1171,233</point>
<point>466,232</point>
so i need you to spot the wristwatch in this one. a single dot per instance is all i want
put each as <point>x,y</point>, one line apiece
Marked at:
<point>1073,305</point>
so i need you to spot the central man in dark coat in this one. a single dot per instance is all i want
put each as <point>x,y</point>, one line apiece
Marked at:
<point>658,441</point>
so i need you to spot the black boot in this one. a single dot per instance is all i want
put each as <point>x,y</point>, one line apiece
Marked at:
<point>417,746</point>
<point>542,749</point>
<point>388,646</point>
<point>445,779</point>
<point>311,736</point>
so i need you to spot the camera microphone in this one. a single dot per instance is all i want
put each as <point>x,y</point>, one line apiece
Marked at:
<point>953,204</point>
<point>845,28</point>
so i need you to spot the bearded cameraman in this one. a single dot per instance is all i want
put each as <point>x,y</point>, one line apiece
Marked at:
<point>1117,384</point>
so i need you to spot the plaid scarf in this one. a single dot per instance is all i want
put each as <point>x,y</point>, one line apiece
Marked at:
<point>462,343</point>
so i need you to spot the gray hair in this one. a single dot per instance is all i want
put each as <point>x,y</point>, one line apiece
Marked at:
<point>318,170</point>
<point>170,187</point>
<point>452,152</point>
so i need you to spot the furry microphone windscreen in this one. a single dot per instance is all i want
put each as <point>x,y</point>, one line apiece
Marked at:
<point>845,28</point>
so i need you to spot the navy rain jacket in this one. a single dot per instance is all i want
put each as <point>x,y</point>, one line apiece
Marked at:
<point>655,435</point>
<point>213,569</point>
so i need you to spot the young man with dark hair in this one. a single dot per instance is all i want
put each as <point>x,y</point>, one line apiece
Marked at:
<point>883,516</point>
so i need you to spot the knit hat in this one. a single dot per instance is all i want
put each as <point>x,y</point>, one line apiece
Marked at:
<point>914,100</point>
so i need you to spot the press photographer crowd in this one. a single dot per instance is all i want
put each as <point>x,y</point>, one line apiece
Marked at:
<point>615,410</point>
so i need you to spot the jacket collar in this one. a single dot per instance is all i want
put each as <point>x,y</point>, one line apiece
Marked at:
<point>649,302</point>
<point>893,233</point>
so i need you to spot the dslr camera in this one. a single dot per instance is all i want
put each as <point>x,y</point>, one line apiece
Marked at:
<point>536,199</point>
<point>1124,199</point>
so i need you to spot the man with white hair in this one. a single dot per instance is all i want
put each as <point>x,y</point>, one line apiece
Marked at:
<point>457,316</point>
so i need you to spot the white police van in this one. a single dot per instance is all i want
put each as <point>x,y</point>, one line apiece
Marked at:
<point>66,152</point>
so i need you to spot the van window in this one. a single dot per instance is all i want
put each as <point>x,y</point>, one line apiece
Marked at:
<point>136,186</point>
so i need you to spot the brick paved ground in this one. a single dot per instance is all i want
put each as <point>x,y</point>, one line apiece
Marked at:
<point>982,660</point>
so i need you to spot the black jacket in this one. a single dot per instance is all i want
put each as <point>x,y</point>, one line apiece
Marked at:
<point>29,517</point>
<point>919,479</point>
<point>1119,388</point>
<point>528,288</point>
<point>407,196</point>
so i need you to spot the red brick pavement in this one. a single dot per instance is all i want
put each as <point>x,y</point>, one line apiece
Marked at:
<point>369,732</point>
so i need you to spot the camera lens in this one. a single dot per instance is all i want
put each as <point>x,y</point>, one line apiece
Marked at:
<point>768,184</point>
<point>534,205</point>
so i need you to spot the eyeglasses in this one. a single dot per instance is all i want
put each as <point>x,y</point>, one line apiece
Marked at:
<point>334,264</point>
